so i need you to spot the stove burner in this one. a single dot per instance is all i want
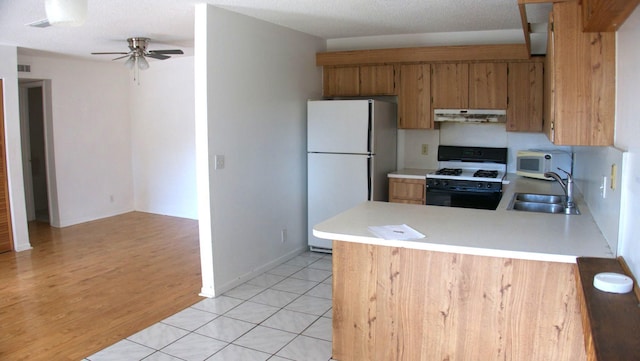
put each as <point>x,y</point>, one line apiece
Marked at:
<point>449,171</point>
<point>486,173</point>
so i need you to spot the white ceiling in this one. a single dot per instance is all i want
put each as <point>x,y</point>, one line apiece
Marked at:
<point>169,23</point>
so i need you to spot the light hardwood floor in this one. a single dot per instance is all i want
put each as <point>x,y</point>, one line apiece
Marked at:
<point>85,287</point>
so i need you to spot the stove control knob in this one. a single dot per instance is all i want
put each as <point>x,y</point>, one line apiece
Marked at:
<point>435,182</point>
<point>445,183</point>
<point>479,185</point>
<point>488,185</point>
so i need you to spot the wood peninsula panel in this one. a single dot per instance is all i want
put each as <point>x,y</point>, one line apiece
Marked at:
<point>525,92</point>
<point>488,85</point>
<point>377,80</point>
<point>403,304</point>
<point>341,81</point>
<point>423,54</point>
<point>407,190</point>
<point>450,85</point>
<point>414,97</point>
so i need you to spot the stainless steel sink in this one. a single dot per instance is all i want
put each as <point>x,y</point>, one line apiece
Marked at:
<point>540,198</point>
<point>539,207</point>
<point>542,203</point>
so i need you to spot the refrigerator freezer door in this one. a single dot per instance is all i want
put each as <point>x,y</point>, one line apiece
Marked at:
<point>338,126</point>
<point>336,182</point>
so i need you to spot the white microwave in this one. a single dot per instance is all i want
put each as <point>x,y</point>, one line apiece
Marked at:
<point>535,163</point>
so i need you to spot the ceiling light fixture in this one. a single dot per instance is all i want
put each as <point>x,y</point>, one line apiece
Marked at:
<point>66,12</point>
<point>136,62</point>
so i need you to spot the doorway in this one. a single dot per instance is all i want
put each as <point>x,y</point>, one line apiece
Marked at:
<point>35,157</point>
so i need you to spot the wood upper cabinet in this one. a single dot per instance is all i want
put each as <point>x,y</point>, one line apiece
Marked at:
<point>580,84</point>
<point>407,190</point>
<point>488,85</point>
<point>606,15</point>
<point>414,97</point>
<point>450,86</point>
<point>469,85</point>
<point>362,80</point>
<point>377,80</point>
<point>341,81</point>
<point>525,89</point>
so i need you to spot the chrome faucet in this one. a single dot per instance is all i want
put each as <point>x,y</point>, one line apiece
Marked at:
<point>570,206</point>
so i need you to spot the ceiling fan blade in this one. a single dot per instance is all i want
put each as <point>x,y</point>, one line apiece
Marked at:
<point>121,57</point>
<point>169,51</point>
<point>116,53</point>
<point>158,56</point>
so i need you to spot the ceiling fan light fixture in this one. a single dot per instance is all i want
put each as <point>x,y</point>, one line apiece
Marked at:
<point>143,64</point>
<point>131,62</point>
<point>66,12</point>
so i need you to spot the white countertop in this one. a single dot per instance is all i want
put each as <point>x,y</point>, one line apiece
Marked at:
<point>410,173</point>
<point>499,233</point>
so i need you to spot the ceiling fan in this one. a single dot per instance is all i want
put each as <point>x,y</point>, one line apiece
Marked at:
<point>137,54</point>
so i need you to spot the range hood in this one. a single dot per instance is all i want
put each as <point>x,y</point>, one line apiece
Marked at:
<point>470,115</point>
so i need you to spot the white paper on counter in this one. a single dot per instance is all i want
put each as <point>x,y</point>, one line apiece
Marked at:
<point>400,232</point>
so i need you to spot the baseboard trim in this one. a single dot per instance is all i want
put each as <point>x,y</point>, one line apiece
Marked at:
<point>256,272</point>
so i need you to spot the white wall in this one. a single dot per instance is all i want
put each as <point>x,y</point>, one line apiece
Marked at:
<point>259,76</point>
<point>591,165</point>
<point>92,135</point>
<point>480,135</point>
<point>163,139</point>
<point>627,130</point>
<point>9,75</point>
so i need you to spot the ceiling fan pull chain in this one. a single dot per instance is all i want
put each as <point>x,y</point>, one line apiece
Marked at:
<point>136,71</point>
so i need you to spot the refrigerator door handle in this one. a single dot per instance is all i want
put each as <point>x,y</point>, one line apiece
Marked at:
<point>369,179</point>
<point>370,130</point>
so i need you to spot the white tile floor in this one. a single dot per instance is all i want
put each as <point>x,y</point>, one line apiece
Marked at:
<point>283,314</point>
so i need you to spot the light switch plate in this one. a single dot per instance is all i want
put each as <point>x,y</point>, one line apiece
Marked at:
<point>425,149</point>
<point>219,161</point>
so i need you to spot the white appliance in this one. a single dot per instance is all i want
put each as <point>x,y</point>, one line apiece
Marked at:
<point>534,163</point>
<point>351,147</point>
<point>468,177</point>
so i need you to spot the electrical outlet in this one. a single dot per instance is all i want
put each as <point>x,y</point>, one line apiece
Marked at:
<point>283,235</point>
<point>219,159</point>
<point>614,171</point>
<point>425,149</point>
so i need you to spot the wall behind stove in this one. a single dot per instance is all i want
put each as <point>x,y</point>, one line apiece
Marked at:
<point>591,164</point>
<point>481,135</point>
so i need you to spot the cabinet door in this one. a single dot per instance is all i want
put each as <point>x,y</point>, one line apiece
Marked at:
<point>488,85</point>
<point>414,97</point>
<point>341,81</point>
<point>450,86</point>
<point>403,190</point>
<point>377,80</point>
<point>524,111</point>
<point>548,115</point>
<point>584,80</point>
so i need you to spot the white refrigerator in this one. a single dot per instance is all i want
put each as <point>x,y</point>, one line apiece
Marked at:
<point>351,147</point>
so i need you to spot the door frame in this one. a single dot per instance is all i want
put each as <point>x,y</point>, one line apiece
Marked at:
<point>24,85</point>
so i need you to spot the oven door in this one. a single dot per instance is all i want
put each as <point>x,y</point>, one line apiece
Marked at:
<point>463,199</point>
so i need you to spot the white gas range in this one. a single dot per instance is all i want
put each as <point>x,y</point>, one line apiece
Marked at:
<point>468,177</point>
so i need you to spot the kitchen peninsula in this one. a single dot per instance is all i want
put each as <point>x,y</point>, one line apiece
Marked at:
<point>481,285</point>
